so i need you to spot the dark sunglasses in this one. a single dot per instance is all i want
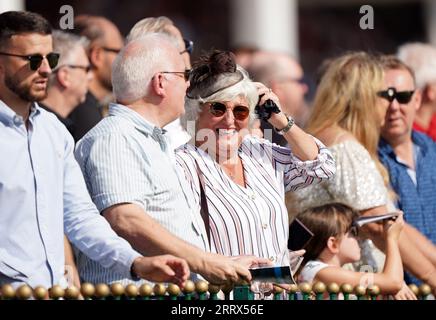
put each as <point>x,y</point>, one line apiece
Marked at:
<point>73,66</point>
<point>391,94</point>
<point>185,73</point>
<point>218,109</point>
<point>189,46</point>
<point>36,59</point>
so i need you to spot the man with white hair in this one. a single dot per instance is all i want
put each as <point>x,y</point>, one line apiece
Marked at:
<point>421,58</point>
<point>68,82</point>
<point>131,172</point>
<point>175,132</point>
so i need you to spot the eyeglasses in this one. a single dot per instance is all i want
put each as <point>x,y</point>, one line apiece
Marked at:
<point>218,109</point>
<point>354,231</point>
<point>116,51</point>
<point>403,97</point>
<point>36,59</point>
<point>189,46</point>
<point>185,73</point>
<point>72,66</point>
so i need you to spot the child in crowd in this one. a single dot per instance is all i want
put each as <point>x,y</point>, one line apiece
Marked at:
<point>335,244</point>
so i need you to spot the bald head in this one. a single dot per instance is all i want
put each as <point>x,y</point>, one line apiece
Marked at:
<point>267,67</point>
<point>97,29</point>
<point>283,74</point>
<point>138,61</point>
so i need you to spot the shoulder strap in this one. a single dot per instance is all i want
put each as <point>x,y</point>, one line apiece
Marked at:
<point>203,202</point>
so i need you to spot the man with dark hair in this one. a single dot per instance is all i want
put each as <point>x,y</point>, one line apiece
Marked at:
<point>42,191</point>
<point>105,42</point>
<point>409,157</point>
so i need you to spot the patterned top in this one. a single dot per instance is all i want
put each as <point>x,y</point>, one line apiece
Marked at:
<point>417,200</point>
<point>357,183</point>
<point>126,159</point>
<point>253,219</point>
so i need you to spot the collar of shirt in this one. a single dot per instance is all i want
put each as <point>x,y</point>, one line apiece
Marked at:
<point>419,144</point>
<point>140,124</point>
<point>9,117</point>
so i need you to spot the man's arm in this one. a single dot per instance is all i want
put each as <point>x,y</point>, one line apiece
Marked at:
<point>150,238</point>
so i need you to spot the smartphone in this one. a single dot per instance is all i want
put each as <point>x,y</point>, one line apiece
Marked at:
<point>369,219</point>
<point>299,235</point>
<point>280,274</point>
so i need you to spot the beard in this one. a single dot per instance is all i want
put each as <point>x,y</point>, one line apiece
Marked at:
<point>25,91</point>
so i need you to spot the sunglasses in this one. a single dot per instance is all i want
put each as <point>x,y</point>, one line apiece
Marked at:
<point>185,74</point>
<point>218,109</point>
<point>189,46</point>
<point>403,97</point>
<point>36,59</point>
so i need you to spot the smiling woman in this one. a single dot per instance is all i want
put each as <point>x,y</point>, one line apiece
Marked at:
<point>239,181</point>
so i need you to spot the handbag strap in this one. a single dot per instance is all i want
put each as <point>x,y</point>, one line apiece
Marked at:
<point>203,202</point>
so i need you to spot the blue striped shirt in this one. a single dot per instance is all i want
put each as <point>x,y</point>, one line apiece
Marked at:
<point>42,196</point>
<point>126,159</point>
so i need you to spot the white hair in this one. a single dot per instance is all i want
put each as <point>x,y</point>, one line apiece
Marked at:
<point>244,88</point>
<point>421,58</point>
<point>137,63</point>
<point>148,25</point>
<point>66,45</point>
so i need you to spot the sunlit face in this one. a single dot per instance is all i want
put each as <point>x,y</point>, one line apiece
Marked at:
<point>223,132</point>
<point>349,250</point>
<point>15,72</point>
<point>399,117</point>
<point>79,77</point>
<point>290,89</point>
<point>177,84</point>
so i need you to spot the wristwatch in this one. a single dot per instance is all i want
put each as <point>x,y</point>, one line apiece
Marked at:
<point>287,127</point>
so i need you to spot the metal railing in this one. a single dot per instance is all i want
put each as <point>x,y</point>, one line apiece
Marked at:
<point>201,290</point>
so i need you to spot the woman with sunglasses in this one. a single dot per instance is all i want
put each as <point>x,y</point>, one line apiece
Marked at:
<point>347,115</point>
<point>239,181</point>
<point>335,244</point>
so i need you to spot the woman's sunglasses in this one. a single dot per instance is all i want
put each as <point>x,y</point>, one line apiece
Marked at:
<point>218,109</point>
<point>403,97</point>
<point>36,59</point>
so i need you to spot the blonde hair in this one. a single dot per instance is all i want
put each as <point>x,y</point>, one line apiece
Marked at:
<point>347,97</point>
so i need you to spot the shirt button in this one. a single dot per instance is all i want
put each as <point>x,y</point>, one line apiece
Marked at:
<point>271,258</point>
<point>253,197</point>
<point>264,225</point>
<point>18,120</point>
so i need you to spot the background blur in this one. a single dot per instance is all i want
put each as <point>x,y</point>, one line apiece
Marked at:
<point>312,30</point>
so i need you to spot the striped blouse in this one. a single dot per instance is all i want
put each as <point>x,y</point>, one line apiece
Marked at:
<point>252,220</point>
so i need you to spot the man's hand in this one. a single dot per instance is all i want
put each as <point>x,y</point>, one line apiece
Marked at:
<point>166,268</point>
<point>252,261</point>
<point>218,269</point>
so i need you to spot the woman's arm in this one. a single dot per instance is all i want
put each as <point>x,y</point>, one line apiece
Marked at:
<point>390,280</point>
<point>412,256</point>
